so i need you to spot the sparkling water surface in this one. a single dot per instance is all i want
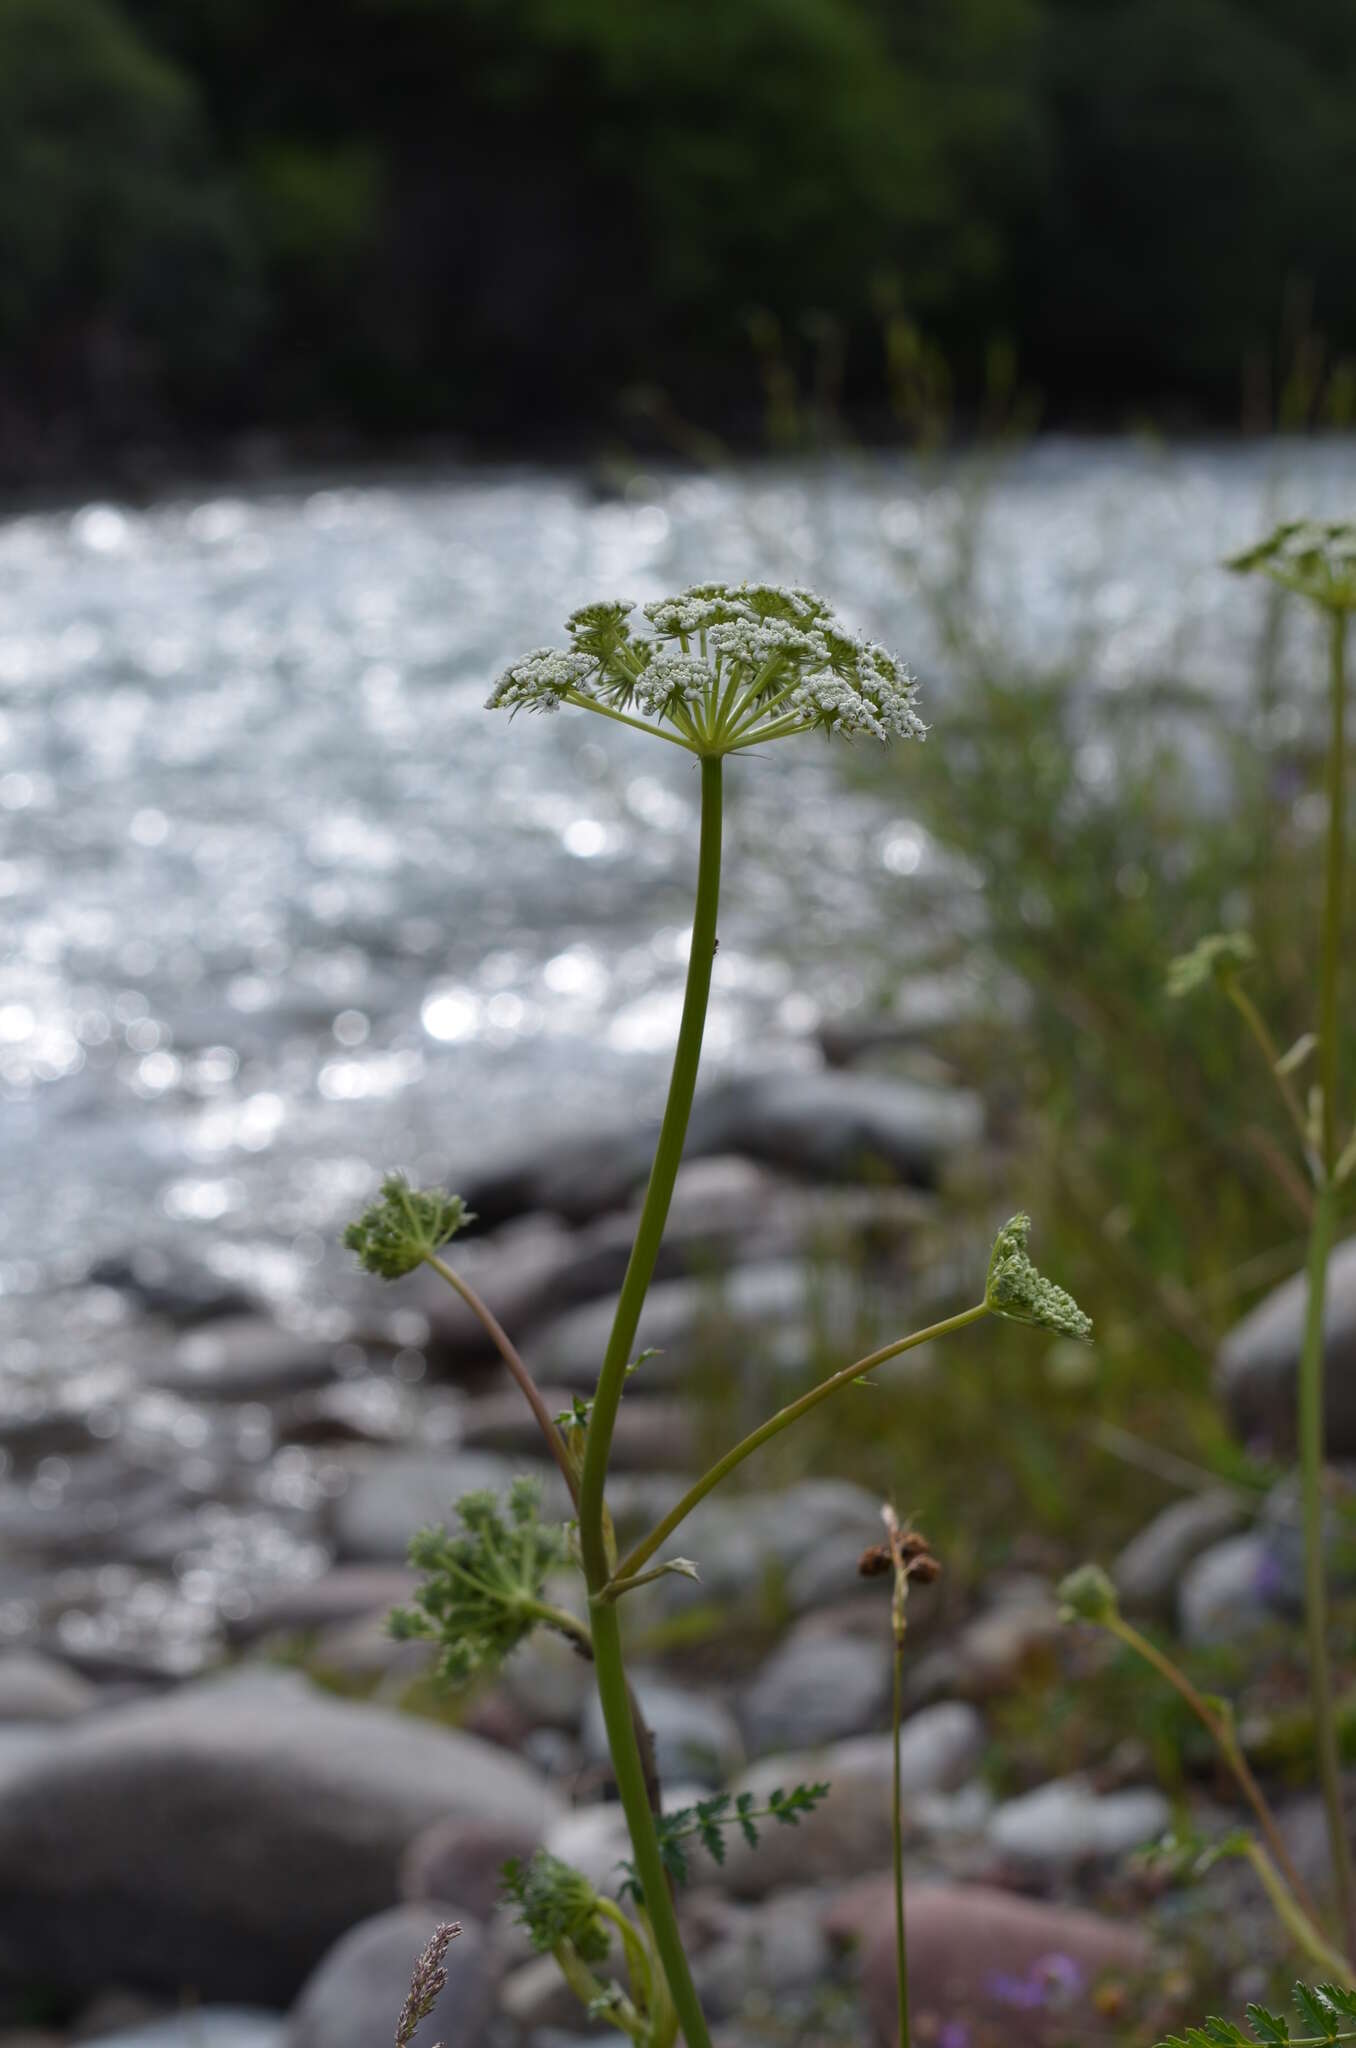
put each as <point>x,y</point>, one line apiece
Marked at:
<point>282,904</point>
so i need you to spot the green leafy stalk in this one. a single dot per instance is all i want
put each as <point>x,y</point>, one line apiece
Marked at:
<point>593,1543</point>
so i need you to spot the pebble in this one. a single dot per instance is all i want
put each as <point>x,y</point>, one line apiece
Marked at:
<point>1257,1366</point>
<point>814,1688</point>
<point>696,1738</point>
<point>850,1830</point>
<point>1002,1968</point>
<point>1066,1823</point>
<point>37,1688</point>
<point>203,2026</point>
<point>1228,1593</point>
<point>1149,1569</point>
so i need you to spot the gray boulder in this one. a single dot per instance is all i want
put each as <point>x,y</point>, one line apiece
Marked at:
<point>390,1495</point>
<point>37,1688</point>
<point>221,1839</point>
<point>1229,1592</point>
<point>850,1830</point>
<point>202,2026</point>
<point>1258,1363</point>
<point>352,1999</point>
<point>1067,1823</point>
<point>815,1688</point>
<point>1150,1567</point>
<point>696,1739</point>
<point>243,1358</point>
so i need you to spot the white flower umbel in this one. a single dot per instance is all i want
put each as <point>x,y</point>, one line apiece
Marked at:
<point>727,666</point>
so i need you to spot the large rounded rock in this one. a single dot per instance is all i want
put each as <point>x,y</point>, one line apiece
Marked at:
<point>37,1688</point>
<point>850,1830</point>
<point>352,2000</point>
<point>815,1688</point>
<point>999,1966</point>
<point>835,1125</point>
<point>388,1496</point>
<point>696,1739</point>
<point>1149,1569</point>
<point>1258,1363</point>
<point>221,1839</point>
<point>1066,1824</point>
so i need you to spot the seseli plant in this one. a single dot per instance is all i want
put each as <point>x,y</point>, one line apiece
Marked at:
<point>723,670</point>
<point>1317,562</point>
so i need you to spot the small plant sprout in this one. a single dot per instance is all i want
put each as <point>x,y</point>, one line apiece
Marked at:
<point>428,1983</point>
<point>1088,1595</point>
<point>721,670</point>
<point>907,1556</point>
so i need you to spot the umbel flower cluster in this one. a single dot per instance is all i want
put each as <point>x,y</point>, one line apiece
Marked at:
<point>1315,558</point>
<point>724,666</point>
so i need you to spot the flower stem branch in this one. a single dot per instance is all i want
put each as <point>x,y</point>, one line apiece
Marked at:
<point>710,1479</point>
<point>512,1358</point>
<point>1222,1732</point>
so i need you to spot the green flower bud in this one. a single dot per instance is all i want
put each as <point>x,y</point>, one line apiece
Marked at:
<point>1088,1595</point>
<point>1017,1290</point>
<point>1210,961</point>
<point>401,1230</point>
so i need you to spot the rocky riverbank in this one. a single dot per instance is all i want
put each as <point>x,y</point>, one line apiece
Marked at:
<point>187,1822</point>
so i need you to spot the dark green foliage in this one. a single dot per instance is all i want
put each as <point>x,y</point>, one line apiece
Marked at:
<point>1327,2013</point>
<point>706,1822</point>
<point>493,214</point>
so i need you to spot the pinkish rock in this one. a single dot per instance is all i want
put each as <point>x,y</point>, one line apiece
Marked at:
<point>1000,1967</point>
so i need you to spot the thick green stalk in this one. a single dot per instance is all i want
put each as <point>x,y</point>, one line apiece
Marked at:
<point>765,1431</point>
<point>1328,1041</point>
<point>897,1852</point>
<point>1311,1449</point>
<point>607,1646</point>
<point>1311,1432</point>
<point>659,1193</point>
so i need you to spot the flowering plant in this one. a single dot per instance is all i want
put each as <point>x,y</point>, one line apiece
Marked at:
<point>723,669</point>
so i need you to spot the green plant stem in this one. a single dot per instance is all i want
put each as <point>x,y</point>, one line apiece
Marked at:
<point>897,1853</point>
<point>607,1645</point>
<point>512,1358</point>
<point>1256,1023</point>
<point>1226,1741</point>
<point>1311,1447</point>
<point>1299,1926</point>
<point>783,1419</point>
<point>1328,1042</point>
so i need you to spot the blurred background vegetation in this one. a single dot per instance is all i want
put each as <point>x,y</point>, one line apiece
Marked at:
<point>514,221</point>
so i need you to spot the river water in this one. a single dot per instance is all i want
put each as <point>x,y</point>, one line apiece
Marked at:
<point>282,904</point>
